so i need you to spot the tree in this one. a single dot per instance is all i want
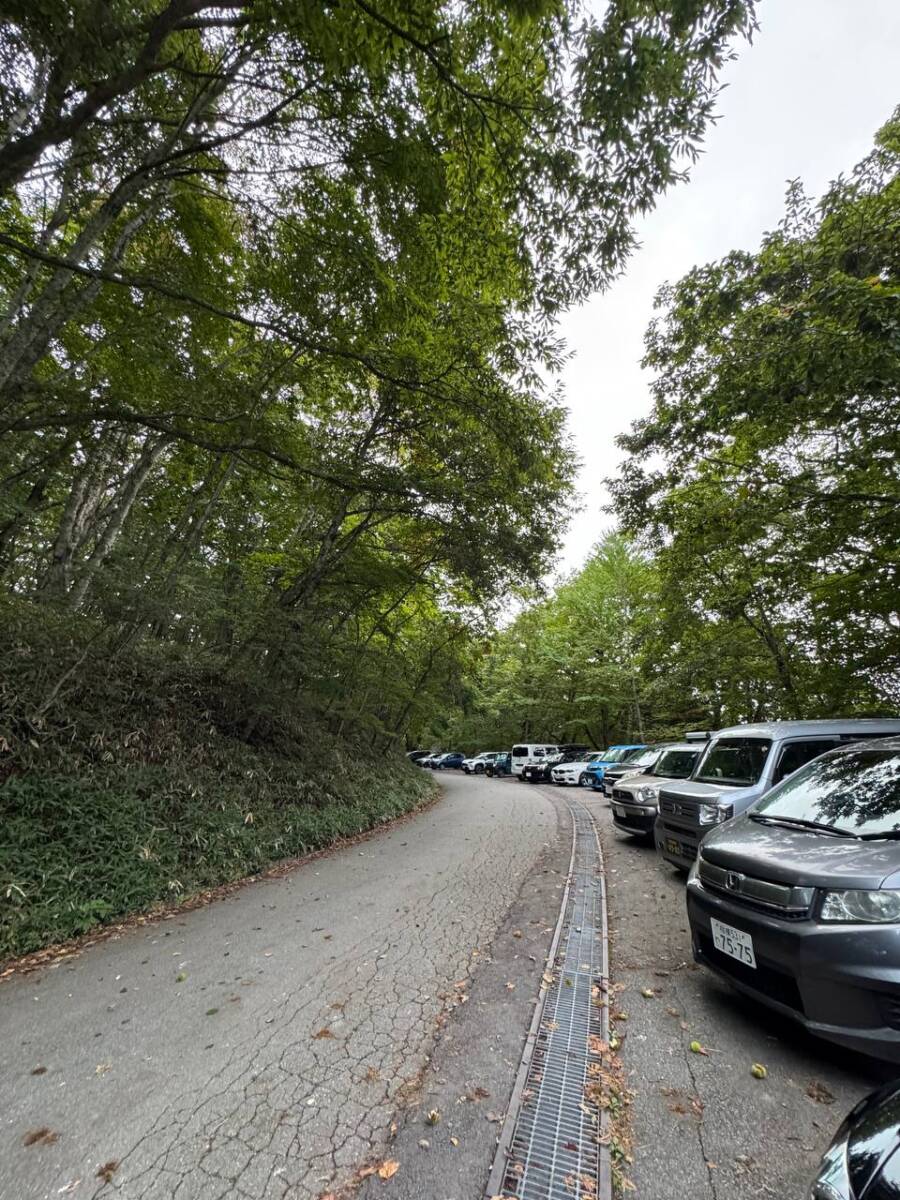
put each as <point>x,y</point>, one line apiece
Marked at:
<point>766,476</point>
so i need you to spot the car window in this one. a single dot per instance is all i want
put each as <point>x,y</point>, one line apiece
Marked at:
<point>632,753</point>
<point>643,758</point>
<point>675,764</point>
<point>798,754</point>
<point>737,761</point>
<point>520,751</point>
<point>855,790</point>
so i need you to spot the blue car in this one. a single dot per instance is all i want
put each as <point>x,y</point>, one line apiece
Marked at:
<point>453,760</point>
<point>615,754</point>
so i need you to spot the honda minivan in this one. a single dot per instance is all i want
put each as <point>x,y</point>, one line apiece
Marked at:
<point>739,766</point>
<point>797,902</point>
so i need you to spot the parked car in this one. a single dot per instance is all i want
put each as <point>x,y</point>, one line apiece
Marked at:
<point>540,770</point>
<point>530,752</point>
<point>478,763</point>
<point>863,1160</point>
<point>431,760</point>
<point>612,754</point>
<point>573,769</point>
<point>797,901</point>
<point>502,764</point>
<point>416,756</point>
<point>739,766</point>
<point>452,760</point>
<point>634,798</point>
<point>646,759</point>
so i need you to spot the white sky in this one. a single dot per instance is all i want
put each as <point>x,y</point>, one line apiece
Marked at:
<point>803,100</point>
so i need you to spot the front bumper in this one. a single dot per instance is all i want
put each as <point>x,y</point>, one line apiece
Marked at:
<point>841,982</point>
<point>638,819</point>
<point>678,843</point>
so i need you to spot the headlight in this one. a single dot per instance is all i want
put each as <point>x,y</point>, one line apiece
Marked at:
<point>650,794</point>
<point>870,908</point>
<point>713,814</point>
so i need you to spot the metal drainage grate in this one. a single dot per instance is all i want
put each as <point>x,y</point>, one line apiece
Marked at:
<point>552,1146</point>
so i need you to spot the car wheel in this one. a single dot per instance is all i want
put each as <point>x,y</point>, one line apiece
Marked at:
<point>584,780</point>
<point>479,770</point>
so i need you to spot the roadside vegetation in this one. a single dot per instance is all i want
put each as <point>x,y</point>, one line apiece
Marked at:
<point>277,307</point>
<point>757,570</point>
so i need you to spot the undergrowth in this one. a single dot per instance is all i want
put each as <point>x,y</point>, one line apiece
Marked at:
<point>134,777</point>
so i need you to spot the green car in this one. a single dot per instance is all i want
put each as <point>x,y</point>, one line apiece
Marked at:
<point>502,765</point>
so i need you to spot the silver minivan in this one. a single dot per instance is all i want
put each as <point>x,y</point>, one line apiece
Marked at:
<point>741,764</point>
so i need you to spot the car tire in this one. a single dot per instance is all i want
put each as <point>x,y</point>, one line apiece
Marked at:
<point>584,780</point>
<point>479,770</point>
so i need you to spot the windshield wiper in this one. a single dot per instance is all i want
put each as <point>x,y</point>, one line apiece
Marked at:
<point>889,835</point>
<point>799,823</point>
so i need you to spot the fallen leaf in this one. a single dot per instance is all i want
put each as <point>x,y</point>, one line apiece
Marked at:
<point>424,1143</point>
<point>696,1048</point>
<point>211,1012</point>
<point>517,933</point>
<point>40,1137</point>
<point>478,1093</point>
<point>39,1071</point>
<point>371,1075</point>
<point>596,1045</point>
<point>69,1187</point>
<point>102,1068</point>
<point>322,1034</point>
<point>388,1169</point>
<point>365,1172</point>
<point>819,1092</point>
<point>510,986</point>
<point>547,979</point>
<point>107,1171</point>
<point>432,1116</point>
<point>493,1117</point>
<point>454,1141</point>
<point>758,1071</point>
<point>181,977</point>
<point>648,993</point>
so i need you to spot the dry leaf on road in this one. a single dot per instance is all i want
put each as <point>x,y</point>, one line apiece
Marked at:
<point>388,1169</point>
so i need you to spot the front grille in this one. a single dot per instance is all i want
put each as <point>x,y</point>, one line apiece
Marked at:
<point>678,808</point>
<point>777,899</point>
<point>766,978</point>
<point>620,794</point>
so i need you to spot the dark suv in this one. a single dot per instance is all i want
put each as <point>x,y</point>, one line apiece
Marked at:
<point>797,901</point>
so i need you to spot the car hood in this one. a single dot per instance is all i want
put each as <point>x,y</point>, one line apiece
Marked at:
<point>634,783</point>
<point>801,857</point>
<point>704,793</point>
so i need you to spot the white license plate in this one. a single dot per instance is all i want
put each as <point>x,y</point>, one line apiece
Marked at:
<point>618,810</point>
<point>733,942</point>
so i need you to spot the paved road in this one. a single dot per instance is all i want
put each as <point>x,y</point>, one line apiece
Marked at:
<point>703,1126</point>
<point>261,1047</point>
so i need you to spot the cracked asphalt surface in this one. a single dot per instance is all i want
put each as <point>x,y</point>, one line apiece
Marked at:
<point>703,1126</point>
<point>262,1046</point>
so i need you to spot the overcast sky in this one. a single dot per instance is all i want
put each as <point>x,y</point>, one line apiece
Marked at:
<point>803,100</point>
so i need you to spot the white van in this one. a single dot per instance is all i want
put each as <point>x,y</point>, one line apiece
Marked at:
<point>530,752</point>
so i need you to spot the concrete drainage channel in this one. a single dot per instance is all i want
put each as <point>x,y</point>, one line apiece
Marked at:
<point>553,1143</point>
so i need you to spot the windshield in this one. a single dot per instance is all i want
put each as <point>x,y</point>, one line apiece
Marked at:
<point>675,764</point>
<point>642,758</point>
<point>632,753</point>
<point>613,755</point>
<point>737,761</point>
<point>855,790</point>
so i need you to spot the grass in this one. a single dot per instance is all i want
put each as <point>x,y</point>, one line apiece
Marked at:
<point>153,777</point>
